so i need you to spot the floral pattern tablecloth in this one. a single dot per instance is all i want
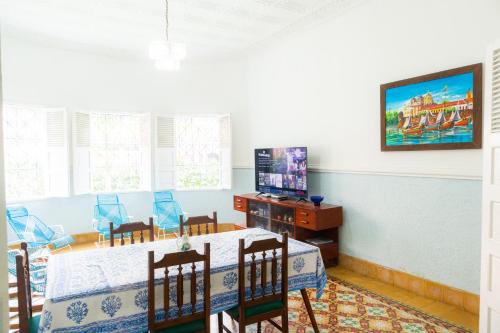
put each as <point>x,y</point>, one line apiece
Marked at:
<point>105,290</point>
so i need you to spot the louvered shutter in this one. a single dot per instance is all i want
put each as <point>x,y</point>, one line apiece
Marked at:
<point>165,152</point>
<point>81,152</point>
<point>57,153</point>
<point>495,92</point>
<point>225,146</point>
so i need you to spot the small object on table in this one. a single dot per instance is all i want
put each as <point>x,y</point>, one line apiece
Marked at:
<point>183,242</point>
<point>316,199</point>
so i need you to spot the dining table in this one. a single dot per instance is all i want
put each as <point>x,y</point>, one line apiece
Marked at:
<point>105,289</point>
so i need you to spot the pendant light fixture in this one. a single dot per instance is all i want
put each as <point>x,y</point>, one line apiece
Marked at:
<point>166,54</point>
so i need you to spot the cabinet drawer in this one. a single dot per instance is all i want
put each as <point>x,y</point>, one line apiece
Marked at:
<point>305,218</point>
<point>240,204</point>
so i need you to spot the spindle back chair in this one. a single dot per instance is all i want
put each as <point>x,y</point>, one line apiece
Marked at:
<point>198,221</point>
<point>191,322</point>
<point>27,322</point>
<point>127,230</point>
<point>270,300</point>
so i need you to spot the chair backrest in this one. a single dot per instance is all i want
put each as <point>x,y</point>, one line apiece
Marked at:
<point>129,229</point>
<point>108,199</point>
<point>23,289</point>
<point>163,196</point>
<point>269,290</point>
<point>197,221</point>
<point>167,210</point>
<point>174,316</point>
<point>21,221</point>
<point>109,209</point>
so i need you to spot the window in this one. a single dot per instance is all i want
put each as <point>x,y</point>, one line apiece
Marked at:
<point>194,152</point>
<point>35,145</point>
<point>112,152</point>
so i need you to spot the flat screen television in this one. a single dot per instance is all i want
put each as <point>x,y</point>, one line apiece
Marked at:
<point>281,171</point>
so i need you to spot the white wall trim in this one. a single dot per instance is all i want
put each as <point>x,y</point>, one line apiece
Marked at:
<point>316,169</point>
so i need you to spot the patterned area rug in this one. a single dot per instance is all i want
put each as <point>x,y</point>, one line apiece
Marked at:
<point>348,308</point>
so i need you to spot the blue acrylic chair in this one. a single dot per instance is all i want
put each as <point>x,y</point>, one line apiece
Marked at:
<point>108,209</point>
<point>38,268</point>
<point>30,229</point>
<point>166,213</point>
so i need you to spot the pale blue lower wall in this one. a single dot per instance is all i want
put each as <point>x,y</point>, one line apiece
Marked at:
<point>428,227</point>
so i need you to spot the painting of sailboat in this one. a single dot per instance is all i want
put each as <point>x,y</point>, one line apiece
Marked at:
<point>436,111</point>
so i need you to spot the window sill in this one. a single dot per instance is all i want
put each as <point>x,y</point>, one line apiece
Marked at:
<point>201,189</point>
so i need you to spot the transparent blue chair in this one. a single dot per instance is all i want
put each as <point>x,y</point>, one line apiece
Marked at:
<point>30,229</point>
<point>38,268</point>
<point>108,209</point>
<point>166,213</point>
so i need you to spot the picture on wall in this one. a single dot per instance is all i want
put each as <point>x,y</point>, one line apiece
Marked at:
<point>436,111</point>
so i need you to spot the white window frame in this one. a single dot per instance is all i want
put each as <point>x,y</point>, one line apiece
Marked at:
<point>165,153</point>
<point>56,150</point>
<point>82,155</point>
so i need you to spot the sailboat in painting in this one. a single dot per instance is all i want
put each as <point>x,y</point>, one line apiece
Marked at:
<point>408,130</point>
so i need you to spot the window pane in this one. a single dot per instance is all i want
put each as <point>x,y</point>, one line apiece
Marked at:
<point>25,152</point>
<point>198,152</point>
<point>115,152</point>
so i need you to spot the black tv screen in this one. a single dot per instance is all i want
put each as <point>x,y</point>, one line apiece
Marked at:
<point>281,171</point>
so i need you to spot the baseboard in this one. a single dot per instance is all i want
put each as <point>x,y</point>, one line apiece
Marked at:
<point>420,286</point>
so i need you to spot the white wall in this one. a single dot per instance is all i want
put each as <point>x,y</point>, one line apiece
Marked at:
<point>41,75</point>
<point>4,297</point>
<point>320,88</point>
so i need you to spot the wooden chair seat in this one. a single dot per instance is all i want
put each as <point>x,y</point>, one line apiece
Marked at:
<point>34,323</point>
<point>257,310</point>
<point>191,327</point>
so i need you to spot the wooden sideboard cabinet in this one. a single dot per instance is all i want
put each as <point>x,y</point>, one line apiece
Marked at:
<point>302,220</point>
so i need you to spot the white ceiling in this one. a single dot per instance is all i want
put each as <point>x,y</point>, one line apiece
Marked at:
<point>209,28</point>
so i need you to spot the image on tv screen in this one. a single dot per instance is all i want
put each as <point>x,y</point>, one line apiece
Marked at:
<point>281,170</point>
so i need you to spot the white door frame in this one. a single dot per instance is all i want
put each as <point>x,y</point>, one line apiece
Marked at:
<point>490,234</point>
<point>4,277</point>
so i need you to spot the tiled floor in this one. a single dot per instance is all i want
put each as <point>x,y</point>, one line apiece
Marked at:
<point>437,309</point>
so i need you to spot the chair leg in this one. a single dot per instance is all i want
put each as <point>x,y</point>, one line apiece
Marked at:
<point>220,321</point>
<point>241,327</point>
<point>259,327</point>
<point>284,321</point>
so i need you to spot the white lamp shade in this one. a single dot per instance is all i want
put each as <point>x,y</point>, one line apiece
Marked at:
<point>178,51</point>
<point>167,64</point>
<point>163,49</point>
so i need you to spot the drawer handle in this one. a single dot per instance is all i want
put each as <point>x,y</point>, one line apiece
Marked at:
<point>239,206</point>
<point>304,213</point>
<point>238,200</point>
<point>305,222</point>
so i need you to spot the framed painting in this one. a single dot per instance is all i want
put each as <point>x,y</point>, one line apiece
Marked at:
<point>435,111</point>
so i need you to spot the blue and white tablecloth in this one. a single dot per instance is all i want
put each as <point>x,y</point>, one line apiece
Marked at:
<point>105,290</point>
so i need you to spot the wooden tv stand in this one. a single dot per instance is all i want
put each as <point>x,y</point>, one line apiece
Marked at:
<point>302,220</point>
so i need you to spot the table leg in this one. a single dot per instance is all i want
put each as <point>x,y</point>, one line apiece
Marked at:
<point>309,310</point>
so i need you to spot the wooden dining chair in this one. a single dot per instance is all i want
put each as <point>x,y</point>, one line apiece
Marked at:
<point>127,230</point>
<point>198,221</point>
<point>269,302</point>
<point>27,322</point>
<point>195,321</point>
